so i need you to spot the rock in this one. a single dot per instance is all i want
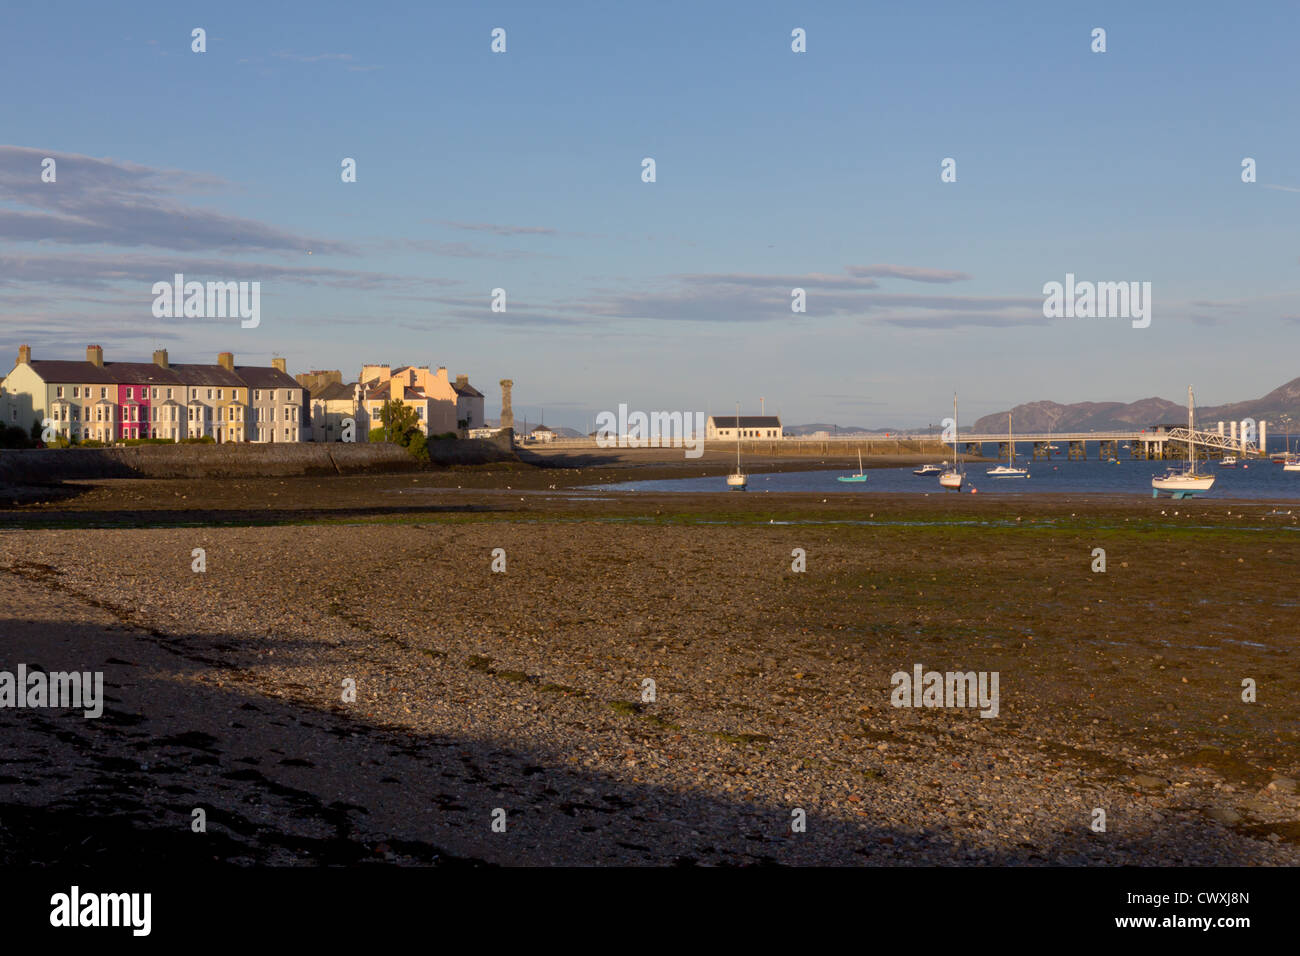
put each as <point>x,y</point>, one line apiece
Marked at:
<point>1284,784</point>
<point>1225,815</point>
<point>1146,780</point>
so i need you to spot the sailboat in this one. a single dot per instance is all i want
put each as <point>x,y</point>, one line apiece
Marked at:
<point>860,476</point>
<point>737,480</point>
<point>1183,483</point>
<point>1009,470</point>
<point>953,477</point>
<point>1290,462</point>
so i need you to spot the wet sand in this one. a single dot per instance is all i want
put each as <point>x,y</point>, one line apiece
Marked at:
<point>523,690</point>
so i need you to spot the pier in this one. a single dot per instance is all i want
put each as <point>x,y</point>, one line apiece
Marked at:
<point>1159,442</point>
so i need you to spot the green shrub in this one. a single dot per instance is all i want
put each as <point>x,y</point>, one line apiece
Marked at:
<point>445,436</point>
<point>12,436</point>
<point>418,447</point>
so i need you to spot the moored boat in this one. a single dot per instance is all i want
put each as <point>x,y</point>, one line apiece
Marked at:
<point>954,475</point>
<point>1183,483</point>
<point>737,480</point>
<point>860,476</point>
<point>1009,470</point>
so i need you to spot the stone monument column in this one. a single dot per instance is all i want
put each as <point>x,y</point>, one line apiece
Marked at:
<point>507,413</point>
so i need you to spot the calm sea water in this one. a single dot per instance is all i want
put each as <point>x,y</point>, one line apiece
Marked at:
<point>1257,479</point>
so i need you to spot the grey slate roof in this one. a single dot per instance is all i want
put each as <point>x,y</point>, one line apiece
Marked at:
<point>335,392</point>
<point>747,421</point>
<point>57,372</point>
<point>260,376</point>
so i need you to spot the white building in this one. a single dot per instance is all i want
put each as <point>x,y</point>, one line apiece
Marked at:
<point>724,427</point>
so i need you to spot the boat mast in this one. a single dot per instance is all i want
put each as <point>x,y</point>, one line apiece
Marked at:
<point>737,437</point>
<point>956,461</point>
<point>1191,448</point>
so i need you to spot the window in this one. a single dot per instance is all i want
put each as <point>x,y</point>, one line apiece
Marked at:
<point>169,393</point>
<point>103,393</point>
<point>58,392</point>
<point>219,391</point>
<point>155,393</point>
<point>220,409</point>
<point>419,413</point>
<point>209,394</point>
<point>257,394</point>
<point>74,391</point>
<point>374,414</point>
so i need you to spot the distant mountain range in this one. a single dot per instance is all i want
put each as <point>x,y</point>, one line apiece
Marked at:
<point>1276,408</point>
<point>560,430</point>
<point>833,429</point>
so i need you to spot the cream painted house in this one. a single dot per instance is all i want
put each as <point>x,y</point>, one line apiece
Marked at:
<point>429,394</point>
<point>331,408</point>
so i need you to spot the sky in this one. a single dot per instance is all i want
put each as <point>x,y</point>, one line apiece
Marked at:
<point>774,170</point>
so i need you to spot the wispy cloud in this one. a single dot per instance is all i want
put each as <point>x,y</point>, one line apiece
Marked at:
<point>315,58</point>
<point>347,59</point>
<point>456,250</point>
<point>499,230</point>
<point>1285,189</point>
<point>913,273</point>
<point>92,272</point>
<point>97,201</point>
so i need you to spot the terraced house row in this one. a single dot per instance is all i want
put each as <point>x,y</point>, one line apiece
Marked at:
<point>108,401</point>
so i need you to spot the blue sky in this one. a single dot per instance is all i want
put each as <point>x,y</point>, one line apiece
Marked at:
<point>522,171</point>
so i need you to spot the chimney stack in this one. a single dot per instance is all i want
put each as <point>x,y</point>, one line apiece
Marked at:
<point>226,360</point>
<point>278,363</point>
<point>95,356</point>
<point>462,380</point>
<point>160,358</point>
<point>24,355</point>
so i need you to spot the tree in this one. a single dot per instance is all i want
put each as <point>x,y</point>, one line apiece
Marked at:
<point>399,422</point>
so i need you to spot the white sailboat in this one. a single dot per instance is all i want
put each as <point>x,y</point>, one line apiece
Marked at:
<point>953,477</point>
<point>1186,482</point>
<point>1009,470</point>
<point>737,480</point>
<point>1290,462</point>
